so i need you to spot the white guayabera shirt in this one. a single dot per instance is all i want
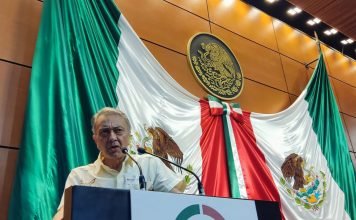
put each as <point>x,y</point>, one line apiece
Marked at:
<point>158,176</point>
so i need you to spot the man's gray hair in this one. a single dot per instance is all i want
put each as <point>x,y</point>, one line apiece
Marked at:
<point>109,111</point>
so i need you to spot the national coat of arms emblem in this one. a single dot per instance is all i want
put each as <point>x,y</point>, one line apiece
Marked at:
<point>157,141</point>
<point>306,186</point>
<point>215,66</point>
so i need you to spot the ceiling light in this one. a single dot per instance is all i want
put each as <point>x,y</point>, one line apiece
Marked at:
<point>271,1</point>
<point>327,32</point>
<point>344,42</point>
<point>298,10</point>
<point>347,41</point>
<point>293,11</point>
<point>316,20</point>
<point>310,22</point>
<point>333,31</point>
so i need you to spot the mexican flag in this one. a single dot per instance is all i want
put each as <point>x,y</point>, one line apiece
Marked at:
<point>240,154</point>
<point>87,57</point>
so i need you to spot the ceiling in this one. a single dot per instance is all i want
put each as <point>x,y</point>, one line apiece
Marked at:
<point>339,14</point>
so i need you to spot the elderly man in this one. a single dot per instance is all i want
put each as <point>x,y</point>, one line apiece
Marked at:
<point>114,169</point>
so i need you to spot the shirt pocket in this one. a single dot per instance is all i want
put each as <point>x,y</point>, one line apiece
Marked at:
<point>132,182</point>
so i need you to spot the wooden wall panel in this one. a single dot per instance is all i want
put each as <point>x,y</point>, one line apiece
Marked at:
<point>295,44</point>
<point>258,98</point>
<point>296,75</point>
<point>19,22</point>
<point>198,7</point>
<point>162,23</point>
<point>349,144</point>
<point>350,123</point>
<point>243,20</point>
<point>177,66</point>
<point>326,51</point>
<point>292,98</point>
<point>353,158</point>
<point>8,159</point>
<point>310,72</point>
<point>14,82</point>
<point>341,67</point>
<point>346,96</point>
<point>257,62</point>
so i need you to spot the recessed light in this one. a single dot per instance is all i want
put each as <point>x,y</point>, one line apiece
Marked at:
<point>298,10</point>
<point>327,32</point>
<point>347,41</point>
<point>310,22</point>
<point>344,42</point>
<point>271,1</point>
<point>294,11</point>
<point>333,31</point>
<point>316,20</point>
<point>291,12</point>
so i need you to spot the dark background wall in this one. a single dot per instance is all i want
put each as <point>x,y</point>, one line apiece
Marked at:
<point>272,56</point>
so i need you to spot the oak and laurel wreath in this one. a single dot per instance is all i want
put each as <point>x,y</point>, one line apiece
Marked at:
<point>301,202</point>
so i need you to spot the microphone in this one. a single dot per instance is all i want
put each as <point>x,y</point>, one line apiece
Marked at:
<point>141,179</point>
<point>200,185</point>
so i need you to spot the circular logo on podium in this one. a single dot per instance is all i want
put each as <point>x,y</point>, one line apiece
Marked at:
<point>199,210</point>
<point>215,66</point>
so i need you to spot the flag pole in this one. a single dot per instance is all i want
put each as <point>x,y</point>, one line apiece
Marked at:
<point>317,41</point>
<point>319,49</point>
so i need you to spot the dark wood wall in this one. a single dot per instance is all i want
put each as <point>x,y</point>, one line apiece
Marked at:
<point>272,56</point>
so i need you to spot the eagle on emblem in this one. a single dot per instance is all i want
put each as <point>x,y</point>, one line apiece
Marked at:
<point>164,145</point>
<point>293,167</point>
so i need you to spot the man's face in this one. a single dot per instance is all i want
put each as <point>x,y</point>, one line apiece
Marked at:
<point>111,135</point>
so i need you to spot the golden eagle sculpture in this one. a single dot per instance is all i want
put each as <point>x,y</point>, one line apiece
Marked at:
<point>293,167</point>
<point>164,145</point>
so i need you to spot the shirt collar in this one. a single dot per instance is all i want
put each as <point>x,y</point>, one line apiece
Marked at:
<point>100,166</point>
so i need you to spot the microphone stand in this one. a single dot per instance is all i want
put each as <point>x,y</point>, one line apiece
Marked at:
<point>200,185</point>
<point>141,178</point>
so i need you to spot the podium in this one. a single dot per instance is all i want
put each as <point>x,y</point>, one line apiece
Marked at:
<point>84,202</point>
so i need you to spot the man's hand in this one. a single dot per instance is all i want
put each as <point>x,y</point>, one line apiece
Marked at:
<point>59,214</point>
<point>180,187</point>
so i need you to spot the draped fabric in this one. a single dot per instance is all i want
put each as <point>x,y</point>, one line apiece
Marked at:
<point>87,57</point>
<point>73,75</point>
<point>151,98</point>
<point>253,174</point>
<point>327,125</point>
<point>212,143</point>
<point>311,128</point>
<point>236,155</point>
